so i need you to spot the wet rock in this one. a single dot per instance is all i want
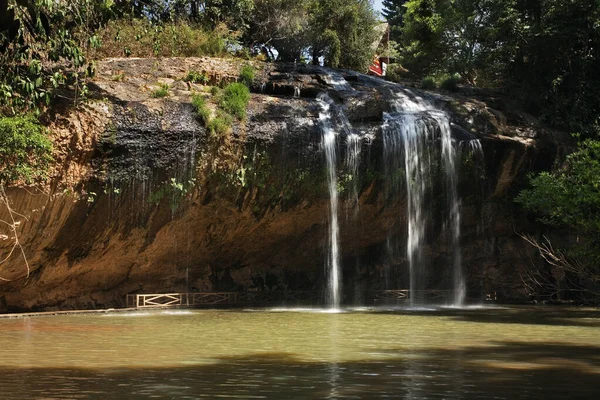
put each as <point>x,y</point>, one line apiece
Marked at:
<point>144,199</point>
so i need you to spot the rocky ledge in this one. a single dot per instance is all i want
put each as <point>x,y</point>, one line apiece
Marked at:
<point>143,199</point>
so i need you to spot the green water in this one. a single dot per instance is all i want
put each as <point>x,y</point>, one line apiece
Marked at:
<point>511,353</point>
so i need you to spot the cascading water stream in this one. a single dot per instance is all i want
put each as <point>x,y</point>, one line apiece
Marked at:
<point>410,133</point>
<point>449,162</point>
<point>329,146</point>
<point>353,151</point>
<point>407,132</point>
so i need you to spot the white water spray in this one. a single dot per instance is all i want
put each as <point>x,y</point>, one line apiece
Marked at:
<point>353,152</point>
<point>329,146</point>
<point>410,133</point>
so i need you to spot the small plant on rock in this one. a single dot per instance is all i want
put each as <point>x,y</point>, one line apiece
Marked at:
<point>428,83</point>
<point>197,77</point>
<point>247,75</point>
<point>235,99</point>
<point>450,83</point>
<point>201,108</point>
<point>220,124</point>
<point>162,91</point>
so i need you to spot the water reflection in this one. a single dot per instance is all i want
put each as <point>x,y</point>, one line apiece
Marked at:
<point>334,369</point>
<point>412,354</point>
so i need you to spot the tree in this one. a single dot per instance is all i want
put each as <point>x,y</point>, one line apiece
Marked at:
<point>570,197</point>
<point>25,154</point>
<point>39,53</point>
<point>342,33</point>
<point>233,13</point>
<point>338,32</point>
<point>545,52</point>
<point>393,11</point>
<point>279,24</point>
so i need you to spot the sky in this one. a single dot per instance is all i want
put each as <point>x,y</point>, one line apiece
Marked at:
<point>377,5</point>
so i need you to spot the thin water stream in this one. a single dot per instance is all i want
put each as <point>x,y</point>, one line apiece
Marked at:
<point>330,147</point>
<point>503,353</point>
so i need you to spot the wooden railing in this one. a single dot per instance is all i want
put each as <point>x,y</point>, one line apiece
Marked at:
<point>216,299</point>
<point>198,299</point>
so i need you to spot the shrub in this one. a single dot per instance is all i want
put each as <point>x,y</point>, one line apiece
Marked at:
<point>450,83</point>
<point>162,91</point>
<point>215,90</point>
<point>25,150</point>
<point>214,45</point>
<point>220,124</point>
<point>202,110</point>
<point>197,77</point>
<point>235,98</point>
<point>141,38</point>
<point>395,73</point>
<point>247,75</point>
<point>428,83</point>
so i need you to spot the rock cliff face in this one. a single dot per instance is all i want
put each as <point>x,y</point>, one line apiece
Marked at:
<point>145,200</point>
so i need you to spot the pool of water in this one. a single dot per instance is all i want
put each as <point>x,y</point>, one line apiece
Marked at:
<point>393,353</point>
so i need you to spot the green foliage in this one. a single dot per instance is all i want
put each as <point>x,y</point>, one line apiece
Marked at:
<point>161,91</point>
<point>333,51</point>
<point>450,82</point>
<point>39,53</point>
<point>197,77</point>
<point>428,83</point>
<point>545,52</point>
<point>143,38</point>
<point>220,125</point>
<point>173,190</point>
<point>233,13</point>
<point>234,99</point>
<point>247,75</point>
<point>353,23</point>
<point>25,150</point>
<point>281,24</point>
<point>571,195</point>
<point>393,11</point>
<point>339,31</point>
<point>201,108</point>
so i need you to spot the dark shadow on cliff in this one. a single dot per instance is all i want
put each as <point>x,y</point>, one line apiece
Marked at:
<point>504,371</point>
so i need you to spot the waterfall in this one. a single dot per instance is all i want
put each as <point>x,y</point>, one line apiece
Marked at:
<point>411,133</point>
<point>407,136</point>
<point>329,146</point>
<point>453,206</point>
<point>353,151</point>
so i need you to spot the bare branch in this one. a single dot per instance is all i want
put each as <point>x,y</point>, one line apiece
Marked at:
<point>13,227</point>
<point>536,280</point>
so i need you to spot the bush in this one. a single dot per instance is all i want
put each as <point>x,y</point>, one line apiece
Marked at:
<point>202,110</point>
<point>220,124</point>
<point>162,91</point>
<point>395,73</point>
<point>25,150</point>
<point>428,83</point>
<point>247,75</point>
<point>214,45</point>
<point>197,77</point>
<point>141,38</point>
<point>450,83</point>
<point>234,99</point>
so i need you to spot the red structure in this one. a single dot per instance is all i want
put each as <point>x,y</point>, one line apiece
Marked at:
<point>378,66</point>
